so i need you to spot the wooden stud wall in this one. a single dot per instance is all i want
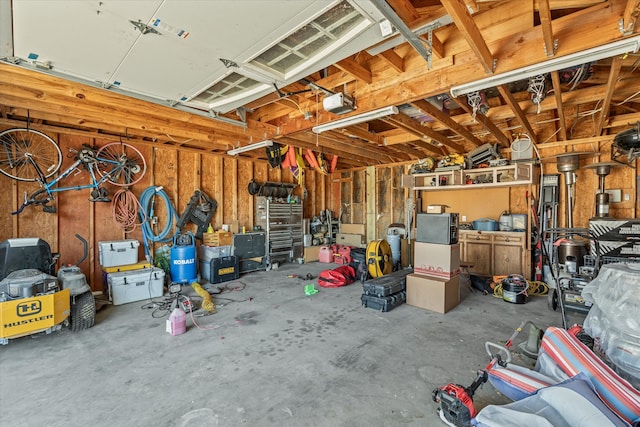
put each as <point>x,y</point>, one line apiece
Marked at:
<point>180,173</point>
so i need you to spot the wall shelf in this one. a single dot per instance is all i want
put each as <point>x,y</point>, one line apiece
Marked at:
<point>468,179</point>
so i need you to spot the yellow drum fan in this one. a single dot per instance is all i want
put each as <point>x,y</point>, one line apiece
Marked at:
<point>379,258</point>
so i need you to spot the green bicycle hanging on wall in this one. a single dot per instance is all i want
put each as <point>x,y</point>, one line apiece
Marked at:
<point>30,155</point>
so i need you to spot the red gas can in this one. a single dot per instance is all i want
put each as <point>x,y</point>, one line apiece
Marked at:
<point>345,254</point>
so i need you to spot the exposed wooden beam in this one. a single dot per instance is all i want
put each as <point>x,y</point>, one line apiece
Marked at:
<point>408,151</point>
<point>472,5</point>
<point>193,146</point>
<point>547,31</point>
<point>630,17</point>
<point>131,112</point>
<point>337,142</point>
<point>425,3</point>
<point>487,123</point>
<point>520,116</point>
<point>623,88</point>
<point>404,9</point>
<point>301,140</point>
<point>567,4</point>
<point>356,70</point>
<point>410,16</point>
<point>616,64</point>
<point>557,92</point>
<point>393,59</point>
<point>415,127</point>
<point>465,23</point>
<point>362,133</point>
<point>446,120</point>
<point>429,148</point>
<point>623,120</point>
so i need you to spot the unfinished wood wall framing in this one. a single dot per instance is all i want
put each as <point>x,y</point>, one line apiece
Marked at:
<point>180,173</point>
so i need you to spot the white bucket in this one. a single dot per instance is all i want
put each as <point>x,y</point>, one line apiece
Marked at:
<point>394,242</point>
<point>506,222</point>
<point>522,148</point>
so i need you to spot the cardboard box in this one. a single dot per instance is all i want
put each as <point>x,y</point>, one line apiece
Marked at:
<point>437,209</point>
<point>433,259</point>
<point>218,238</point>
<point>432,293</point>
<point>349,239</point>
<point>352,228</point>
<point>311,253</point>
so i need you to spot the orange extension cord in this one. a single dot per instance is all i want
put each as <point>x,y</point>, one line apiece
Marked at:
<point>124,208</point>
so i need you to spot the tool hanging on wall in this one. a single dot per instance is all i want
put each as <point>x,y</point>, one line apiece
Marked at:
<point>199,211</point>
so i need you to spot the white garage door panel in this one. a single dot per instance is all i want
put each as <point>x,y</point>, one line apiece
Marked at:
<point>100,35</point>
<point>185,58</point>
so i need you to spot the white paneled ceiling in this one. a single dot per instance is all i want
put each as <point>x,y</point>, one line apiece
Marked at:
<point>171,50</point>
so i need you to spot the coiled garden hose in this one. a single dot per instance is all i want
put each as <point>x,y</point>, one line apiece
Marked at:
<point>147,215</point>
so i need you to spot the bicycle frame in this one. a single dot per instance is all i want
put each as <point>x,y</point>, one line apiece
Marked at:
<point>50,187</point>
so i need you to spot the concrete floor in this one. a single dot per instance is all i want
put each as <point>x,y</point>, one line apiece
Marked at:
<point>279,359</point>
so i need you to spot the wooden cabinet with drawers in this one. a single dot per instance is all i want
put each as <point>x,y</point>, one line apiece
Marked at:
<point>495,253</point>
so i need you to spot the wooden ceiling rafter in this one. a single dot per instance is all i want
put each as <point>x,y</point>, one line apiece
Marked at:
<point>323,144</point>
<point>557,93</point>
<point>53,93</point>
<point>498,114</point>
<point>484,121</point>
<point>336,143</point>
<point>629,22</point>
<point>519,114</point>
<point>362,133</point>
<point>370,97</point>
<point>352,67</point>
<point>394,60</point>
<point>55,122</point>
<point>405,10</point>
<point>550,43</point>
<point>429,148</point>
<point>424,133</point>
<point>465,23</point>
<point>616,63</point>
<point>405,149</point>
<point>394,77</point>
<point>445,119</point>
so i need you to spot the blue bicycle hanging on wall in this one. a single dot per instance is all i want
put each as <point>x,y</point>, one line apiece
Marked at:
<point>30,155</point>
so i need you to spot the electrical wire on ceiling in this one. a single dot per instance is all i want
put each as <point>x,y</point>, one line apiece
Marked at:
<point>554,134</point>
<point>179,142</point>
<point>537,90</point>
<point>627,99</point>
<point>296,104</point>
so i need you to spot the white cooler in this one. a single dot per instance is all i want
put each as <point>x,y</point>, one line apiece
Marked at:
<point>135,285</point>
<point>118,252</point>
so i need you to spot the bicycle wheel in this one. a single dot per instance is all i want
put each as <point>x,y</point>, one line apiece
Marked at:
<point>25,151</point>
<point>121,163</point>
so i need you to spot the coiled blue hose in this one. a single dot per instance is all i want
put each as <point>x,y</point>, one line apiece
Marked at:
<point>147,203</point>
